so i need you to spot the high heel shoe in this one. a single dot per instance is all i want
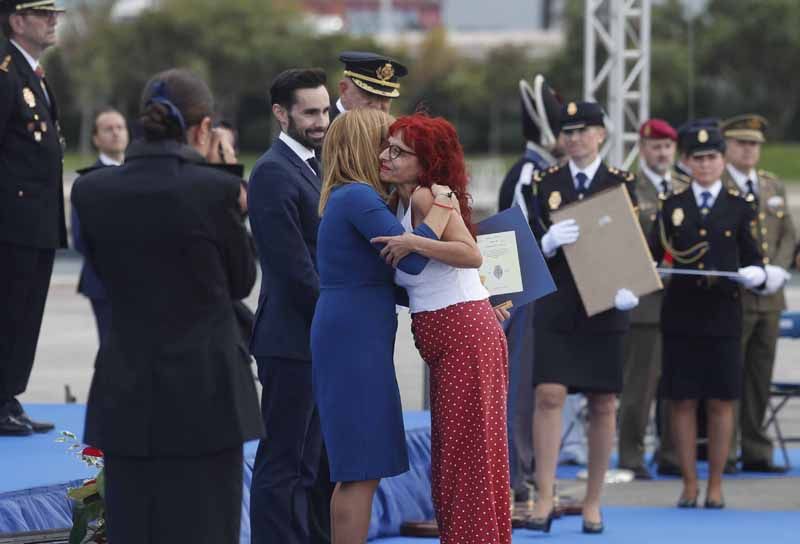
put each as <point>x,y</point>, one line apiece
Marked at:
<point>715,505</point>
<point>541,524</point>
<point>683,502</point>
<point>593,527</point>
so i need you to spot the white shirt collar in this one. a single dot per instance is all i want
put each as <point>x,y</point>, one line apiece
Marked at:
<point>299,149</point>
<point>108,161</point>
<point>32,61</point>
<point>340,106</point>
<point>654,178</point>
<point>715,188</point>
<point>590,170</point>
<point>741,178</point>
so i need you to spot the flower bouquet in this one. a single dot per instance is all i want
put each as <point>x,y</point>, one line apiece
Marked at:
<point>88,500</point>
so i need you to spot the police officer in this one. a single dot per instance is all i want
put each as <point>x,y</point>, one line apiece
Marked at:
<point>705,228</point>
<point>654,183</point>
<point>574,352</point>
<point>32,222</point>
<point>775,234</point>
<point>370,81</point>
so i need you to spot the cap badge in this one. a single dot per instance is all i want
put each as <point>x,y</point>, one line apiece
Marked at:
<point>754,124</point>
<point>677,217</point>
<point>572,108</point>
<point>702,136</point>
<point>647,131</point>
<point>555,200</point>
<point>385,72</point>
<point>29,97</point>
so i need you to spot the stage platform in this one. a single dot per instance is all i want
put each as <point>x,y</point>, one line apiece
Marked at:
<point>35,473</point>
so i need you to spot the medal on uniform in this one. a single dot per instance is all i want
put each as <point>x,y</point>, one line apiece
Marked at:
<point>677,217</point>
<point>555,200</point>
<point>37,136</point>
<point>44,126</point>
<point>29,97</point>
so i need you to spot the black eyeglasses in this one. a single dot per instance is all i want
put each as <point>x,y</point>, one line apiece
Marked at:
<point>395,151</point>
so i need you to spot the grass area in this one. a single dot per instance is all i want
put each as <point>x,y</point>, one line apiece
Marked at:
<point>782,159</point>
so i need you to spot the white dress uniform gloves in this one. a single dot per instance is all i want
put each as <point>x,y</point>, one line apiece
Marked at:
<point>559,234</point>
<point>625,300</point>
<point>752,276</point>
<point>776,279</point>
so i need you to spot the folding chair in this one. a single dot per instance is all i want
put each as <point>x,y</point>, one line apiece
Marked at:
<point>782,392</point>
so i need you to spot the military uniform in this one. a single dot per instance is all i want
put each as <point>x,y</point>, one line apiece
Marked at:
<point>32,222</point>
<point>372,73</point>
<point>775,234</point>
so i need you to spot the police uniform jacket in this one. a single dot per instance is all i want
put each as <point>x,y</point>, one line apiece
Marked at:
<point>723,241</point>
<point>164,233</point>
<point>774,233</point>
<point>31,189</point>
<point>563,311</point>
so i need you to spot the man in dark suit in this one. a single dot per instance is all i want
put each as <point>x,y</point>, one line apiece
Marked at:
<point>32,222</point>
<point>283,198</point>
<point>110,138</point>
<point>370,81</point>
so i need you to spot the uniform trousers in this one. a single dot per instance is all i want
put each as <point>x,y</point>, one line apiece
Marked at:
<point>102,317</point>
<point>155,500</point>
<point>288,457</point>
<point>24,280</point>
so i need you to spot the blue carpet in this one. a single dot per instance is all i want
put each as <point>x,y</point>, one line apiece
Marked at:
<point>662,526</point>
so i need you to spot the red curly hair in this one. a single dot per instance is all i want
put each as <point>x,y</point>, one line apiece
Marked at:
<point>440,156</point>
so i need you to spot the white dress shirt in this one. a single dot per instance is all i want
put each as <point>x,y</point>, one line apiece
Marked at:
<point>299,149</point>
<point>741,178</point>
<point>698,190</point>
<point>656,179</point>
<point>589,171</point>
<point>108,161</point>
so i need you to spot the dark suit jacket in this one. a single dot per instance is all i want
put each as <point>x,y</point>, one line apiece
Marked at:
<point>283,199</point>
<point>163,232</point>
<point>705,306</point>
<point>89,284</point>
<point>31,189</point>
<point>563,310</point>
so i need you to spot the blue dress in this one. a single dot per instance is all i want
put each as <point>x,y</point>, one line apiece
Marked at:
<point>352,337</point>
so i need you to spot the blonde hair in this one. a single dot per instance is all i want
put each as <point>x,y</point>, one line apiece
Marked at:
<point>351,150</point>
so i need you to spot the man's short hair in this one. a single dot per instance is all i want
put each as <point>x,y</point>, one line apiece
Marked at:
<point>287,82</point>
<point>103,111</point>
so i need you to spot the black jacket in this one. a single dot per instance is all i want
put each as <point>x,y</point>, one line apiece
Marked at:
<point>722,241</point>
<point>164,233</point>
<point>31,186</point>
<point>563,311</point>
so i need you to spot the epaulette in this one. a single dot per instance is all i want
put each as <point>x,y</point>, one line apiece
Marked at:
<point>625,175</point>
<point>679,190</point>
<point>766,174</point>
<point>735,192</point>
<point>4,66</point>
<point>540,174</point>
<point>677,176</point>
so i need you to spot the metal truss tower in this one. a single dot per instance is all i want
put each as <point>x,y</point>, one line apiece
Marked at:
<point>617,57</point>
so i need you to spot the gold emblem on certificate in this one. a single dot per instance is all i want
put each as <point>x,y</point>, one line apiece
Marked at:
<point>677,217</point>
<point>29,97</point>
<point>555,200</point>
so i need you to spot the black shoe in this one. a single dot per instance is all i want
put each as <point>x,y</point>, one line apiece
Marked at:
<point>668,469</point>
<point>764,467</point>
<point>684,502</point>
<point>593,527</point>
<point>639,473</point>
<point>541,524</point>
<point>38,426</point>
<point>13,426</point>
<point>714,505</point>
<point>730,468</point>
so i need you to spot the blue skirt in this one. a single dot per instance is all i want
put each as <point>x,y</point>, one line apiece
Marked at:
<point>355,387</point>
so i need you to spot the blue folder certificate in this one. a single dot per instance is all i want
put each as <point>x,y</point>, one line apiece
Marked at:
<point>513,269</point>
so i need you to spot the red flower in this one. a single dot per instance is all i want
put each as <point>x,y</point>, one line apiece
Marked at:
<point>92,452</point>
<point>89,482</point>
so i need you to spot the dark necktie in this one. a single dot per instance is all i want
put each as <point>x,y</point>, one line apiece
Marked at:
<point>751,191</point>
<point>314,164</point>
<point>664,187</point>
<point>704,206</point>
<point>40,74</point>
<point>581,179</point>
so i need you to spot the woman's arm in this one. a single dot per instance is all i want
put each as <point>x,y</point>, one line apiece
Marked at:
<point>456,248</point>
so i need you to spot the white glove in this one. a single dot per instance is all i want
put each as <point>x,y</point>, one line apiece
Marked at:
<point>776,279</point>
<point>625,300</point>
<point>559,234</point>
<point>752,276</point>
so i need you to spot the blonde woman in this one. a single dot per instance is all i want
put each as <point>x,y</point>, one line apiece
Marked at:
<point>354,326</point>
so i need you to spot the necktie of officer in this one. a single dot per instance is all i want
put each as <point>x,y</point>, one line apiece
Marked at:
<point>581,178</point>
<point>664,187</point>
<point>314,164</point>
<point>751,191</point>
<point>705,208</point>
<point>40,74</point>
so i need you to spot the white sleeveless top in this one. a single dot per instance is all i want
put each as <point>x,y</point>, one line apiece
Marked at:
<point>439,285</point>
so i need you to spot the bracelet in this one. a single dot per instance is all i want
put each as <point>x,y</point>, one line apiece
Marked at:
<point>446,195</point>
<point>443,206</point>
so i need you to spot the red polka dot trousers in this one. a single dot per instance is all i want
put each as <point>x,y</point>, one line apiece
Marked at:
<point>465,348</point>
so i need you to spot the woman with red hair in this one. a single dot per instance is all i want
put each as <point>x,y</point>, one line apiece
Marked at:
<point>458,335</point>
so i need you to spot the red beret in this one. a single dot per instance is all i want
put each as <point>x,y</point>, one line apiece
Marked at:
<point>657,129</point>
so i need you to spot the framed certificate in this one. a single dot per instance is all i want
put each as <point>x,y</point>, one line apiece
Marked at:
<point>514,270</point>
